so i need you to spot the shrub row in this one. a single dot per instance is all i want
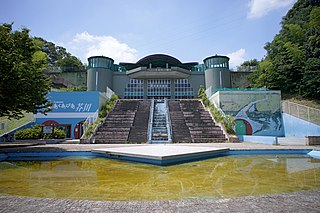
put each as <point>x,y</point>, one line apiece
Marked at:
<point>227,121</point>
<point>35,132</point>
<point>109,104</point>
<point>102,114</point>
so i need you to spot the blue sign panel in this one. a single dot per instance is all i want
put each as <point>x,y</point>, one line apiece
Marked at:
<point>74,101</point>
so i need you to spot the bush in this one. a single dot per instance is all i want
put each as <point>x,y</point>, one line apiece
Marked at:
<point>109,104</point>
<point>35,132</point>
<point>74,89</point>
<point>228,122</point>
<point>57,134</point>
<point>92,127</point>
<point>29,133</point>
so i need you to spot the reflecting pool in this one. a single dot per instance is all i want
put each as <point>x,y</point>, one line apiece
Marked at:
<point>104,179</point>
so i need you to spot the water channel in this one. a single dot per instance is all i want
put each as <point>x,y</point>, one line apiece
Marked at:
<point>160,128</point>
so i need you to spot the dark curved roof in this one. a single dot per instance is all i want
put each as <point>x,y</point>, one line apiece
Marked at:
<point>100,57</point>
<point>159,60</point>
<point>217,56</point>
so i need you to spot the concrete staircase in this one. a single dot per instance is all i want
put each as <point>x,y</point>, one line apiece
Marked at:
<point>128,122</point>
<point>139,130</point>
<point>118,123</point>
<point>200,124</point>
<point>180,131</point>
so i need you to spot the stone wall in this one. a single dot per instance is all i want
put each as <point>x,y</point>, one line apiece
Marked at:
<point>240,79</point>
<point>312,140</point>
<point>76,78</point>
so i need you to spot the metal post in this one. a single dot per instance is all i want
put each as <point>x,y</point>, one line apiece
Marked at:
<point>97,76</point>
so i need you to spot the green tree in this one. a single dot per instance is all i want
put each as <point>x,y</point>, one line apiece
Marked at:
<point>23,85</point>
<point>293,56</point>
<point>70,63</point>
<point>248,66</point>
<point>58,56</point>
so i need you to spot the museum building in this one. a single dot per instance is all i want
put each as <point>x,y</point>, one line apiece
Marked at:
<point>157,76</point>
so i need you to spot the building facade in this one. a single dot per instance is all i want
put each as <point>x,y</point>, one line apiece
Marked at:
<point>157,76</point>
<point>70,110</point>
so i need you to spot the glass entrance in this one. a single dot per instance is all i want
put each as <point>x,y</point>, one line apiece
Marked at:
<point>159,88</point>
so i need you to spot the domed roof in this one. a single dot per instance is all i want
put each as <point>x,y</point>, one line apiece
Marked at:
<point>159,60</point>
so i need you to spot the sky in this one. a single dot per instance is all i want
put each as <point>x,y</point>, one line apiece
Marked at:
<point>128,30</point>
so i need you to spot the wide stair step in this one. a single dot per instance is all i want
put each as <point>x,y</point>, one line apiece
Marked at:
<point>117,125</point>
<point>201,126</point>
<point>139,130</point>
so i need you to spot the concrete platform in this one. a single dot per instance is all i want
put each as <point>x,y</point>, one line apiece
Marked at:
<point>162,154</point>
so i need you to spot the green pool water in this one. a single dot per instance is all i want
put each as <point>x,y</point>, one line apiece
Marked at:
<point>103,179</point>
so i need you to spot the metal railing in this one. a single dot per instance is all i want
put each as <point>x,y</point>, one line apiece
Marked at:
<point>168,121</point>
<point>90,120</point>
<point>217,123</point>
<point>8,125</point>
<point>150,121</point>
<point>109,92</point>
<point>300,111</point>
<point>210,91</point>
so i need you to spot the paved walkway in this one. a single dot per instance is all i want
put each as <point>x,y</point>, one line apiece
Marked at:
<point>306,201</point>
<point>89,147</point>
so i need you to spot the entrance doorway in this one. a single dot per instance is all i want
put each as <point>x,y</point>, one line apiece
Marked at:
<point>78,130</point>
<point>243,127</point>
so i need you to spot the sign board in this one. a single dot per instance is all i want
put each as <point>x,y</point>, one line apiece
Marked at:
<point>80,102</point>
<point>47,129</point>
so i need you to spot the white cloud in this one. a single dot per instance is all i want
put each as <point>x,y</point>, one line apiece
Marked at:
<point>236,58</point>
<point>85,45</point>
<point>259,8</point>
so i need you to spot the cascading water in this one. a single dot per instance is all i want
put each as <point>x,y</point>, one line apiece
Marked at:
<point>160,127</point>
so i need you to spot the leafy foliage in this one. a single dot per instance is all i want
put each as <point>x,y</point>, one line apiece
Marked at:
<point>29,133</point>
<point>227,121</point>
<point>74,89</point>
<point>248,66</point>
<point>58,56</point>
<point>35,132</point>
<point>109,104</point>
<point>92,127</point>
<point>23,85</point>
<point>102,114</point>
<point>293,57</point>
<point>57,134</point>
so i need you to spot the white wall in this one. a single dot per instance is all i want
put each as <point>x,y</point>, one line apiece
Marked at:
<point>295,127</point>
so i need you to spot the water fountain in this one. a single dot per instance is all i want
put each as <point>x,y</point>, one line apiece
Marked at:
<point>159,124</point>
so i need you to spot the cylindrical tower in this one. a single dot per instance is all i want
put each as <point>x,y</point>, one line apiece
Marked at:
<point>99,74</point>
<point>217,73</point>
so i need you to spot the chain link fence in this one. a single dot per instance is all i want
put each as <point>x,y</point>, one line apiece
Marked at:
<point>306,113</point>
